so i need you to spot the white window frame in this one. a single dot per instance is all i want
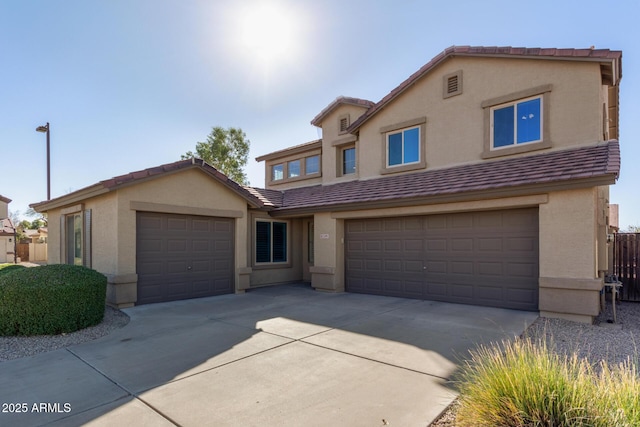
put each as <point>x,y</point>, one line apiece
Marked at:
<point>515,122</point>
<point>402,131</point>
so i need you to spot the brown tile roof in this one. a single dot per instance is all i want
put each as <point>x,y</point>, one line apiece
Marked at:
<point>599,55</point>
<point>317,120</point>
<point>6,227</point>
<point>597,162</point>
<point>142,175</point>
<point>183,164</point>
<point>5,199</point>
<point>269,198</point>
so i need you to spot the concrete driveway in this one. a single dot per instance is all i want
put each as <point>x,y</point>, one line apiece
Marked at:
<point>278,356</point>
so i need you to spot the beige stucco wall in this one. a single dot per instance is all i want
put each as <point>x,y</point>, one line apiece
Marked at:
<point>455,125</point>
<point>4,210</point>
<point>190,192</point>
<point>6,249</point>
<point>332,139</point>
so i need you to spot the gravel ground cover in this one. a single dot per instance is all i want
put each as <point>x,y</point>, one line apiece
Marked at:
<point>16,347</point>
<point>603,340</point>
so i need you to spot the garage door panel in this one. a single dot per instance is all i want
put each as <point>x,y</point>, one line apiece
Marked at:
<point>176,267</point>
<point>490,244</point>
<point>524,244</point>
<point>462,244</point>
<point>175,223</point>
<point>178,246</point>
<point>183,256</point>
<point>522,270</point>
<point>436,245</point>
<point>490,269</point>
<point>459,267</point>
<point>486,258</point>
<point>150,246</point>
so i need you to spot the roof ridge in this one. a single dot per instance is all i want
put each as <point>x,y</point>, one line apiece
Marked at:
<point>496,51</point>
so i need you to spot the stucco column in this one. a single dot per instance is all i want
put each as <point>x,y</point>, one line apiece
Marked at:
<point>569,282</point>
<point>328,272</point>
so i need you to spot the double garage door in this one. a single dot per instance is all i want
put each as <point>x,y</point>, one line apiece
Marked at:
<point>484,258</point>
<point>183,256</point>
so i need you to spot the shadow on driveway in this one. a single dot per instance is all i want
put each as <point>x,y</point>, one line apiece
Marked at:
<point>284,355</point>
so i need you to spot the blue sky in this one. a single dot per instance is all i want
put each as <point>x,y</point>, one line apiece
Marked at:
<point>131,84</point>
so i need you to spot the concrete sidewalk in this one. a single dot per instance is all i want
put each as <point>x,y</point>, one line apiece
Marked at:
<point>278,356</point>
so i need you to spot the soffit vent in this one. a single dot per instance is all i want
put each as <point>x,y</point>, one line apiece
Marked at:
<point>452,84</point>
<point>344,124</point>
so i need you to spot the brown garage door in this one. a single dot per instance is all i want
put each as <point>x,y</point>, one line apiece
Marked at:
<point>182,256</point>
<point>483,258</point>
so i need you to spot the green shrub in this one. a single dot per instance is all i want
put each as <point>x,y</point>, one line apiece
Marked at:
<point>7,268</point>
<point>523,383</point>
<point>51,299</point>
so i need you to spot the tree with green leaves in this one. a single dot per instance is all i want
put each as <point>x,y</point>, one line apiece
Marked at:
<point>226,150</point>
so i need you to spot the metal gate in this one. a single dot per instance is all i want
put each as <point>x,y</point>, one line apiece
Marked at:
<point>626,259</point>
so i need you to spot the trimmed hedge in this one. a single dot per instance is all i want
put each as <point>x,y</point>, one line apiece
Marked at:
<point>51,300</point>
<point>7,268</point>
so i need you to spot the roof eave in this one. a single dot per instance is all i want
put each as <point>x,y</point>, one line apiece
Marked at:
<point>465,196</point>
<point>70,199</point>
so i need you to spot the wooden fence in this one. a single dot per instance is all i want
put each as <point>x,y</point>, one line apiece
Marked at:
<point>23,251</point>
<point>626,264</point>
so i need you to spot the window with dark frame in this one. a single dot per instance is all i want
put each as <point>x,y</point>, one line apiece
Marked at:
<point>349,161</point>
<point>271,241</point>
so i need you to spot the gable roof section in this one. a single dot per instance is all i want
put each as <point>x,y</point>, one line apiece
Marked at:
<point>147,174</point>
<point>605,56</point>
<point>4,199</point>
<point>341,100</point>
<point>6,227</point>
<point>578,167</point>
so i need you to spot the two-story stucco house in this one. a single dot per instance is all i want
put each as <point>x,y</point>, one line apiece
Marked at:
<point>481,179</point>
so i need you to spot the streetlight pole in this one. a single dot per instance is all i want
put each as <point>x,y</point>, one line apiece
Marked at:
<point>45,128</point>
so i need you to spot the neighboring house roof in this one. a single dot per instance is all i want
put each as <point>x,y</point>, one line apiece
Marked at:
<point>4,199</point>
<point>139,176</point>
<point>6,227</point>
<point>341,100</point>
<point>611,58</point>
<point>577,167</point>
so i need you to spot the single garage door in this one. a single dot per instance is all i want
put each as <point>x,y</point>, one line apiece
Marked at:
<point>484,258</point>
<point>183,256</point>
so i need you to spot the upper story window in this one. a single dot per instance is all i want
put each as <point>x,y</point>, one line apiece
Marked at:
<point>517,122</point>
<point>403,147</point>
<point>312,165</point>
<point>293,169</point>
<point>277,172</point>
<point>349,160</point>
